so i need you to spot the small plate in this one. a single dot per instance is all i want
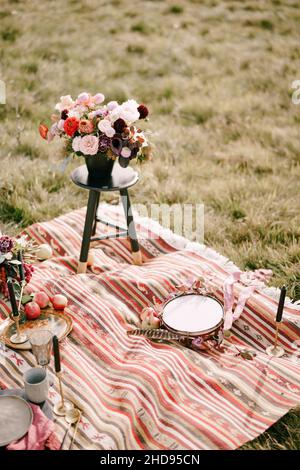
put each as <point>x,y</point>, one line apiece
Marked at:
<point>15,419</point>
<point>60,324</point>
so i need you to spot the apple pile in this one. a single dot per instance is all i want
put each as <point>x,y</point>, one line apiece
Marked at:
<point>41,300</point>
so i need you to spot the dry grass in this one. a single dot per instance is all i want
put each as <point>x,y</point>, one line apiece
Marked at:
<point>217,76</point>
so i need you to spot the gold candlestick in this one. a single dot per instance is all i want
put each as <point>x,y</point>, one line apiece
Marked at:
<point>63,406</point>
<point>18,338</point>
<point>275,350</point>
<point>23,284</point>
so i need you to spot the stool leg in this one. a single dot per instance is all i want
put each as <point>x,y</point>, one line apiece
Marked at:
<point>87,232</point>
<point>96,209</point>
<point>135,248</point>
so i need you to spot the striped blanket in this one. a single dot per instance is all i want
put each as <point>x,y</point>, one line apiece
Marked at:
<point>138,394</point>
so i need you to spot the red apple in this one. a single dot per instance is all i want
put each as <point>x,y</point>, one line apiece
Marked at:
<point>28,289</point>
<point>32,310</point>
<point>59,301</point>
<point>41,298</point>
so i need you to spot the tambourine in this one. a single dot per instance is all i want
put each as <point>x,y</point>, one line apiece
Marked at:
<point>195,317</point>
<point>192,318</point>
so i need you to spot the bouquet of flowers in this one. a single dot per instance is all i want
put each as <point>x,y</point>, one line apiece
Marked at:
<point>13,253</point>
<point>92,128</point>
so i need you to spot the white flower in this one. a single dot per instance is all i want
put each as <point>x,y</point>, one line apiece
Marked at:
<point>114,114</point>
<point>112,105</point>
<point>98,112</point>
<point>66,102</point>
<point>129,111</point>
<point>83,98</point>
<point>137,134</point>
<point>53,131</point>
<point>76,144</point>
<point>98,98</point>
<point>22,241</point>
<point>104,124</point>
<point>78,111</point>
<point>110,132</point>
<point>142,135</point>
<point>60,124</point>
<point>105,127</point>
<point>125,152</point>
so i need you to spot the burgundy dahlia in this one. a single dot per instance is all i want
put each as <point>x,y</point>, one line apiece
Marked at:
<point>143,110</point>
<point>104,143</point>
<point>6,244</point>
<point>119,125</point>
<point>64,114</point>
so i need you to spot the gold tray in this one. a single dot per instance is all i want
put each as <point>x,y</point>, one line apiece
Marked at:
<point>60,324</point>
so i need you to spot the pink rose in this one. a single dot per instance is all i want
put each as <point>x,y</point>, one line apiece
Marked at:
<point>89,145</point>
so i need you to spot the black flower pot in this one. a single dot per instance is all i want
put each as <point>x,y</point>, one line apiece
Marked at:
<point>99,166</point>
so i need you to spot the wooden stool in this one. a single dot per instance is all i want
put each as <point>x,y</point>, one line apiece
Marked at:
<point>120,180</point>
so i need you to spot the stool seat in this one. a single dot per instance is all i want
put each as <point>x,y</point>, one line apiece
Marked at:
<point>121,178</point>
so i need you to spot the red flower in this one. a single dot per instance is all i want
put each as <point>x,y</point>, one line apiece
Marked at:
<point>143,110</point>
<point>71,125</point>
<point>43,131</point>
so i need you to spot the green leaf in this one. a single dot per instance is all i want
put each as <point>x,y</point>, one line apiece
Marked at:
<point>15,261</point>
<point>26,298</point>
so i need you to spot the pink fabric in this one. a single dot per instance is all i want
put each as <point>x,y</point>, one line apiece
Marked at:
<point>251,280</point>
<point>40,431</point>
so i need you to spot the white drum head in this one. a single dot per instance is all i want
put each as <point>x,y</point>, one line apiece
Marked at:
<point>193,314</point>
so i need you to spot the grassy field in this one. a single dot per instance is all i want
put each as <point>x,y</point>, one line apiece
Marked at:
<point>217,77</point>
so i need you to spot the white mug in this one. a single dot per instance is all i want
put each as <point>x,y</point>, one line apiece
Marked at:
<point>36,385</point>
